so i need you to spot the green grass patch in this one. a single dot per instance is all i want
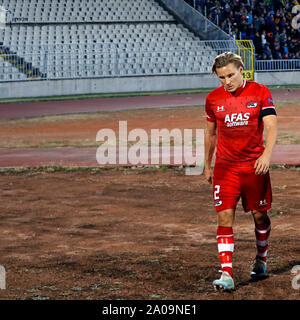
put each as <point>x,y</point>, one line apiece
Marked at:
<point>105,95</point>
<point>99,170</point>
<point>285,86</point>
<point>288,139</point>
<point>89,169</point>
<point>126,94</point>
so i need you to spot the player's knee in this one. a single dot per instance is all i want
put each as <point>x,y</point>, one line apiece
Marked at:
<point>260,216</point>
<point>226,218</point>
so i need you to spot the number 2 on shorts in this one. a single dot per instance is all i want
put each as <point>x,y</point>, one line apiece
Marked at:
<point>216,192</point>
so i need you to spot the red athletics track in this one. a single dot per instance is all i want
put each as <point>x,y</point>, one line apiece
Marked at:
<point>27,157</point>
<point>46,108</point>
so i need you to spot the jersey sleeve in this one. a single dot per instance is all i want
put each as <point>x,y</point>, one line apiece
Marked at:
<point>210,116</point>
<point>267,105</point>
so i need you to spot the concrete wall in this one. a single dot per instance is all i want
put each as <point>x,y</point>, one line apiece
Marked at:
<point>130,84</point>
<point>278,78</point>
<point>104,85</point>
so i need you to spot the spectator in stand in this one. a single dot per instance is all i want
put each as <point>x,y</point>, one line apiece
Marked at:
<point>209,4</point>
<point>263,39</point>
<point>283,23</point>
<point>219,16</point>
<point>266,22</point>
<point>291,44</point>
<point>277,21</point>
<point>250,17</point>
<point>285,56</point>
<point>202,5</point>
<point>268,6</point>
<point>277,37</point>
<point>283,36</point>
<point>276,45</point>
<point>278,54</point>
<point>231,17</point>
<point>277,4</point>
<point>251,30</point>
<point>244,29</point>
<point>277,30</point>
<point>267,50</point>
<point>262,23</point>
<point>294,46</point>
<point>270,38</point>
<point>258,43</point>
<point>285,50</point>
<point>272,25</point>
<point>227,8</point>
<point>256,23</point>
<point>234,35</point>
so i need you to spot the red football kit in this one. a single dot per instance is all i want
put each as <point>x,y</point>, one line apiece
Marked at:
<point>238,117</point>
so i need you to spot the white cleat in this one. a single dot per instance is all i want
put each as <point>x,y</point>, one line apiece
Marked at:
<point>225,283</point>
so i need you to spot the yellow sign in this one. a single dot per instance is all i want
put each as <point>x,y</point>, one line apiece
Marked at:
<point>246,51</point>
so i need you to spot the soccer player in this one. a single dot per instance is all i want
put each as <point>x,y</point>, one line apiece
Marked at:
<point>238,112</point>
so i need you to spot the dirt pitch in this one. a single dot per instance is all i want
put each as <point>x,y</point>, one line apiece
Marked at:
<point>132,234</point>
<point>135,234</point>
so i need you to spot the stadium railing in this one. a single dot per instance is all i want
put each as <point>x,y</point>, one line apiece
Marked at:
<point>277,65</point>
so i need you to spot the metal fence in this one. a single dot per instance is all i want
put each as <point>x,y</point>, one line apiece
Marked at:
<point>277,65</point>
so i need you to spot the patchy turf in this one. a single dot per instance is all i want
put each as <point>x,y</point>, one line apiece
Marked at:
<point>94,233</point>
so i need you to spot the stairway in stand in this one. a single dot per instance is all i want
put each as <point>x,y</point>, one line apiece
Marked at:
<point>21,64</point>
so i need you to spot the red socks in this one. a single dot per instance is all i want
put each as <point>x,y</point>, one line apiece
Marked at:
<point>262,233</point>
<point>225,247</point>
<point>226,244</point>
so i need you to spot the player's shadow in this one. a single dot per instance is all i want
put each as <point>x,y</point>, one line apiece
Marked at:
<point>286,268</point>
<point>281,270</point>
<point>251,280</point>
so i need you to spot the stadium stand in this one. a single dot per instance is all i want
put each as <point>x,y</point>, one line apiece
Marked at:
<point>95,38</point>
<point>66,11</point>
<point>267,23</point>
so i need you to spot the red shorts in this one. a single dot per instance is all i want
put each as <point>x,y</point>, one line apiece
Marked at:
<point>234,181</point>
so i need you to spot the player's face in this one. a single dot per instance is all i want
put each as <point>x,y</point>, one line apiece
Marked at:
<point>230,77</point>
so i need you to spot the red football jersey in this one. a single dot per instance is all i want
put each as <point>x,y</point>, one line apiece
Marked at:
<point>238,118</point>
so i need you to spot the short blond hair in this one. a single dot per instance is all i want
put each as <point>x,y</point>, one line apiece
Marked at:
<point>223,59</point>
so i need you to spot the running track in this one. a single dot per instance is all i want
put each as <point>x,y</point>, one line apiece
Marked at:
<point>47,108</point>
<point>32,157</point>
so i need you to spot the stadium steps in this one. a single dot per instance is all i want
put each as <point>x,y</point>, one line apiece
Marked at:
<point>20,63</point>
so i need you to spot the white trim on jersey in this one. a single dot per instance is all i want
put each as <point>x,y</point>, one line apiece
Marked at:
<point>267,108</point>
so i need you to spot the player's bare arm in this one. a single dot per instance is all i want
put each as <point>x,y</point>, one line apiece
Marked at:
<point>262,164</point>
<point>210,139</point>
